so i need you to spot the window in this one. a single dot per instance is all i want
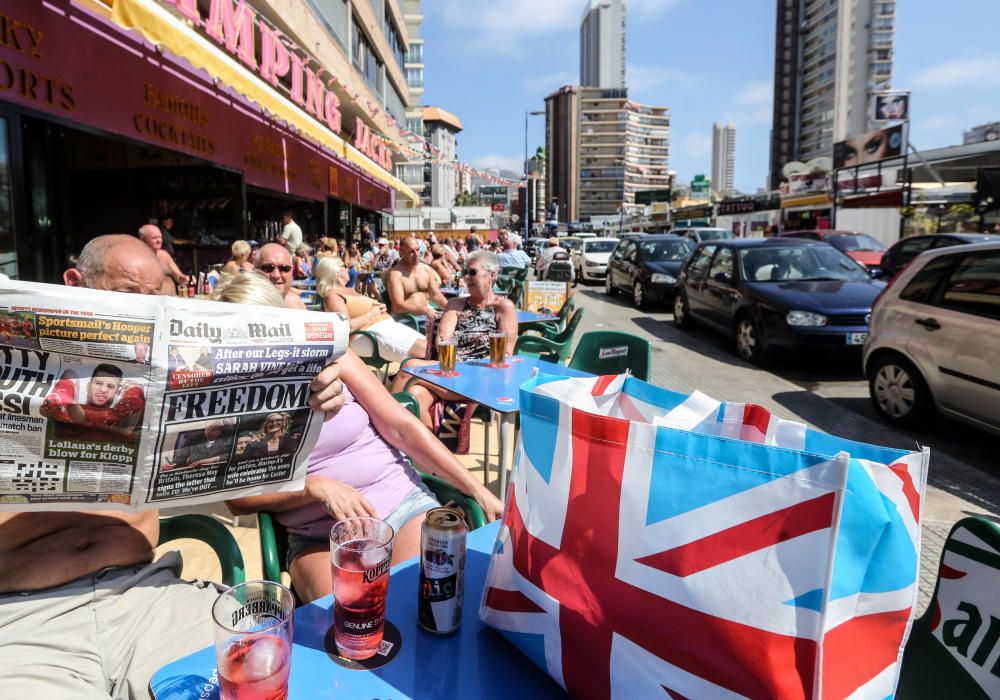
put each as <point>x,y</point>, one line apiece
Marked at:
<point>699,263</point>
<point>335,17</point>
<point>393,37</point>
<point>722,266</point>
<point>415,77</point>
<point>923,283</point>
<point>974,286</point>
<point>415,54</point>
<point>364,58</point>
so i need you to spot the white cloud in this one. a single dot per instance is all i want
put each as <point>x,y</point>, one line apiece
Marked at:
<point>514,163</point>
<point>979,72</point>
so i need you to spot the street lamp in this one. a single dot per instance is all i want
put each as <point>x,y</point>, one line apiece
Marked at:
<point>527,183</point>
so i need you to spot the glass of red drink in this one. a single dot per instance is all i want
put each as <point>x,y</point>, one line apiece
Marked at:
<point>253,640</point>
<point>360,552</point>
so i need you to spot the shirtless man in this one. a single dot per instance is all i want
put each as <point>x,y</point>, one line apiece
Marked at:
<point>83,612</point>
<point>172,275</point>
<point>412,285</point>
<point>275,261</point>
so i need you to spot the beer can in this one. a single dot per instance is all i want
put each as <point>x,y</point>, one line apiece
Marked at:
<point>442,570</point>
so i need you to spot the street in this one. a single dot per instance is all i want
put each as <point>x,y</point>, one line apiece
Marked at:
<point>828,394</point>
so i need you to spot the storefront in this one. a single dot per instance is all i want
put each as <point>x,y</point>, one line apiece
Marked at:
<point>102,131</point>
<point>699,215</point>
<point>806,212</point>
<point>748,217</point>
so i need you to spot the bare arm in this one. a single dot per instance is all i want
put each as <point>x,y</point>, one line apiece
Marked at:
<point>172,268</point>
<point>449,319</point>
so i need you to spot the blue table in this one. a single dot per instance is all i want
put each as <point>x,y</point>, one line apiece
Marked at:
<point>475,662</point>
<point>496,388</point>
<point>532,317</point>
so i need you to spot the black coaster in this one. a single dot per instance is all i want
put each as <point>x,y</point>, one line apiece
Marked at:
<point>391,643</point>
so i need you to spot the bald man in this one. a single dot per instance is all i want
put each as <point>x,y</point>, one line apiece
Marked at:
<point>83,611</point>
<point>411,284</point>
<point>172,275</point>
<point>275,261</point>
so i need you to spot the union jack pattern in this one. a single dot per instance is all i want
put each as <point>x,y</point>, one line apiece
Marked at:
<point>660,545</point>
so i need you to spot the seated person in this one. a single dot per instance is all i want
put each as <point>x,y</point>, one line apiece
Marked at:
<point>440,264</point>
<point>357,468</point>
<point>274,437</point>
<point>111,409</point>
<point>470,320</point>
<point>411,284</point>
<point>302,265</point>
<point>546,257</point>
<point>241,260</point>
<point>213,449</point>
<point>396,341</point>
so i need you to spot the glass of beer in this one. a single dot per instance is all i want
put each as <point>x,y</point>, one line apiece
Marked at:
<point>498,348</point>
<point>253,640</point>
<point>447,355</point>
<point>360,552</point>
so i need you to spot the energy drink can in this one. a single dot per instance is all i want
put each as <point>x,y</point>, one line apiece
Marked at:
<point>442,570</point>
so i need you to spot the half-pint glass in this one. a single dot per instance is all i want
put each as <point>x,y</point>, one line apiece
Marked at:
<point>253,640</point>
<point>360,551</point>
<point>498,348</point>
<point>446,356</point>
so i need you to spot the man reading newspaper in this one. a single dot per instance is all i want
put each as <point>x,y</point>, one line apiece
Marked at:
<point>84,612</point>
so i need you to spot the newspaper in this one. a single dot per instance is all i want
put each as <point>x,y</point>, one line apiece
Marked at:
<point>125,401</point>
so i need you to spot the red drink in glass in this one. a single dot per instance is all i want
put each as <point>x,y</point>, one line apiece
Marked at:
<point>255,668</point>
<point>360,553</point>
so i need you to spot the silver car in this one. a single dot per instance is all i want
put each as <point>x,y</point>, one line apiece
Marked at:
<point>934,339</point>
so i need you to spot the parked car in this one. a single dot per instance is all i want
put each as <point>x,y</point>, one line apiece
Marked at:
<point>859,246</point>
<point>935,339</point>
<point>573,244</point>
<point>592,259</point>
<point>699,234</point>
<point>646,265</point>
<point>903,251</point>
<point>776,292</point>
<point>534,246</point>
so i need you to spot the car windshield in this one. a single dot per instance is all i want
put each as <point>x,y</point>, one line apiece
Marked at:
<point>713,234</point>
<point>854,241</point>
<point>570,243</point>
<point>664,251</point>
<point>599,246</point>
<point>805,262</point>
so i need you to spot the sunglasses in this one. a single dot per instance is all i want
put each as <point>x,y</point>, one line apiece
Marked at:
<point>268,268</point>
<point>473,272</point>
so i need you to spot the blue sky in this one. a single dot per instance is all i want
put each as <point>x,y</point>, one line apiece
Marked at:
<point>490,61</point>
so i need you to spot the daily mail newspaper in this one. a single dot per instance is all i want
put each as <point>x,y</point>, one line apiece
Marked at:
<point>124,401</point>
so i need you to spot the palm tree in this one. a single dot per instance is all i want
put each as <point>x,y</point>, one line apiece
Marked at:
<point>466,199</point>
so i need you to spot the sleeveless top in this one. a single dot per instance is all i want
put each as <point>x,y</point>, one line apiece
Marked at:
<point>358,305</point>
<point>472,332</point>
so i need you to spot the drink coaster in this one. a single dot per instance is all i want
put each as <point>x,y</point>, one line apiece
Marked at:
<point>387,651</point>
<point>504,399</point>
<point>439,373</point>
<point>502,365</point>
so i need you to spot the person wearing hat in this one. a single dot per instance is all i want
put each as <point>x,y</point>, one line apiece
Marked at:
<point>385,257</point>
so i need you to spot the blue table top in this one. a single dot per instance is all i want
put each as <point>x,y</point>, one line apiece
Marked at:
<point>479,382</point>
<point>532,317</point>
<point>474,662</point>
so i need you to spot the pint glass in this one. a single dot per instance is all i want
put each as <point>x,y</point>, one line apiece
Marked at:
<point>498,348</point>
<point>446,356</point>
<point>253,640</point>
<point>360,552</point>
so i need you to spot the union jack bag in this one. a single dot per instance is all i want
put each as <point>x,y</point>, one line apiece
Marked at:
<point>662,545</point>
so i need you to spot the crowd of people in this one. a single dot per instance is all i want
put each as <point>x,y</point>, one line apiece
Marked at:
<point>85,611</point>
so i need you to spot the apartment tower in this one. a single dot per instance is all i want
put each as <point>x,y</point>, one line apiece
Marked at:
<point>723,158</point>
<point>602,44</point>
<point>830,55</point>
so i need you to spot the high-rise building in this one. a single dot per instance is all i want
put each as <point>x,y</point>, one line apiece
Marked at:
<point>723,157</point>
<point>441,179</point>
<point>601,149</point>
<point>411,171</point>
<point>830,55</point>
<point>602,44</point>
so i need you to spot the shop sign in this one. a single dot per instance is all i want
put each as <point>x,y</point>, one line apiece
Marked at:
<point>236,27</point>
<point>740,207</point>
<point>371,145</point>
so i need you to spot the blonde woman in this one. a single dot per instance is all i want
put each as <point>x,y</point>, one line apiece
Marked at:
<point>274,437</point>
<point>241,258</point>
<point>302,262</point>
<point>357,467</point>
<point>395,341</point>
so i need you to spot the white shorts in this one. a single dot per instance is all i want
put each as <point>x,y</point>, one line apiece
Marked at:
<point>394,340</point>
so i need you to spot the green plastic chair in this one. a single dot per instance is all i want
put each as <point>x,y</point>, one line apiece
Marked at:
<point>375,359</point>
<point>553,326</point>
<point>518,273</point>
<point>566,334</point>
<point>542,348</point>
<point>409,401</point>
<point>408,320</point>
<point>612,352</point>
<point>214,534</point>
<point>932,670</point>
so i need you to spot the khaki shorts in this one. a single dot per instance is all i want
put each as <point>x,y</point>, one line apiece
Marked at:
<point>103,635</point>
<point>394,340</point>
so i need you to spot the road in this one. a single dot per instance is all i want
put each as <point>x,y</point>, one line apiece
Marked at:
<point>827,393</point>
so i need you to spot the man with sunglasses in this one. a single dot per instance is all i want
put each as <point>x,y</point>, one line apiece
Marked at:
<point>275,261</point>
<point>412,284</point>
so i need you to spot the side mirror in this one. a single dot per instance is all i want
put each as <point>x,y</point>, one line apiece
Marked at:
<point>726,277</point>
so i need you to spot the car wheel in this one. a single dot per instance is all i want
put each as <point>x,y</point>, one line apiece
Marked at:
<point>749,344</point>
<point>608,286</point>
<point>638,296</point>
<point>682,315</point>
<point>898,391</point>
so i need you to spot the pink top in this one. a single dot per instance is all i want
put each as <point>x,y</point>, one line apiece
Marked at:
<point>349,450</point>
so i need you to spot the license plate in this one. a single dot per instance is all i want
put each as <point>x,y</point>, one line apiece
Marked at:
<point>856,338</point>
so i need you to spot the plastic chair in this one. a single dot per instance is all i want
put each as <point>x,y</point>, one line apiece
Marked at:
<point>518,273</point>
<point>214,534</point>
<point>552,326</point>
<point>537,346</point>
<point>566,334</point>
<point>374,359</point>
<point>611,352</point>
<point>931,669</point>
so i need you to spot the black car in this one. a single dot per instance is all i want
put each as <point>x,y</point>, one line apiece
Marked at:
<point>774,292</point>
<point>646,266</point>
<point>903,251</point>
